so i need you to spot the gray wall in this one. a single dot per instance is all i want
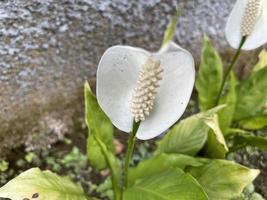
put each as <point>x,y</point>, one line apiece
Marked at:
<point>48,49</point>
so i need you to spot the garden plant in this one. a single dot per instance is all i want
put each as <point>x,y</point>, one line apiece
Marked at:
<point>145,94</point>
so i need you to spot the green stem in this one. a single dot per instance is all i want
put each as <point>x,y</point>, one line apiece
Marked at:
<point>114,179</point>
<point>230,67</point>
<point>129,152</point>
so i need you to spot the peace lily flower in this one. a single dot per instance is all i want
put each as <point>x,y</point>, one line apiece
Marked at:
<point>248,18</point>
<point>154,88</point>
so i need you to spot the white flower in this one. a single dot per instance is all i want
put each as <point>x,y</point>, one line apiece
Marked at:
<point>248,18</point>
<point>154,88</point>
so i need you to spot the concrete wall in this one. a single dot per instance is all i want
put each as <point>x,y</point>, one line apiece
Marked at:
<point>48,48</point>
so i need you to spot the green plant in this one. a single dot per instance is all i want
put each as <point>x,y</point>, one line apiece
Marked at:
<point>3,165</point>
<point>74,158</point>
<point>30,157</point>
<point>189,161</point>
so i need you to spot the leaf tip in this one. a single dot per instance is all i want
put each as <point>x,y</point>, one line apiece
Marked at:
<point>87,86</point>
<point>206,38</point>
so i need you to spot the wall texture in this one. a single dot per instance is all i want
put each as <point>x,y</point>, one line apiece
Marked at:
<point>48,48</point>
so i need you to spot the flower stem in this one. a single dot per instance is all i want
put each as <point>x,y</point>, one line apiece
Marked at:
<point>129,152</point>
<point>230,67</point>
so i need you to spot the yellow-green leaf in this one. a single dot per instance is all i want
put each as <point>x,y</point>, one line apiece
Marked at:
<point>187,137</point>
<point>210,76</point>
<point>41,185</point>
<point>98,125</point>
<point>160,163</point>
<point>254,123</point>
<point>170,31</point>
<point>251,95</point>
<point>226,115</point>
<point>262,62</point>
<point>216,146</point>
<point>171,184</point>
<point>222,179</point>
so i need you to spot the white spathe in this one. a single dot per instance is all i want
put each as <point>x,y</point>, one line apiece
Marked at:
<point>258,36</point>
<point>117,76</point>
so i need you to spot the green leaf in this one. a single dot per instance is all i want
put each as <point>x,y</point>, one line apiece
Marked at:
<point>186,137</point>
<point>42,185</point>
<point>105,189</point>
<point>223,179</point>
<point>168,185</point>
<point>254,123</point>
<point>256,196</point>
<point>99,126</point>
<point>262,61</point>
<point>100,146</point>
<point>210,76</point>
<point>226,115</point>
<point>161,163</point>
<point>251,96</point>
<point>216,146</point>
<point>113,167</point>
<point>249,140</point>
<point>235,131</point>
<point>95,154</point>
<point>3,165</point>
<point>170,31</point>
